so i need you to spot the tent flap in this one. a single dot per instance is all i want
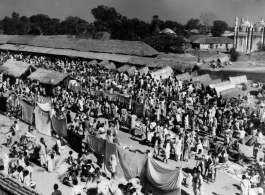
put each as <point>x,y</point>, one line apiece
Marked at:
<point>163,176</point>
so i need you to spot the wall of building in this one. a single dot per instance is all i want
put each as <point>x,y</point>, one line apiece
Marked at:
<point>242,44</point>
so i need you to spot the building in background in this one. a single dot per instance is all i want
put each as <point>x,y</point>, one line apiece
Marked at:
<point>247,36</point>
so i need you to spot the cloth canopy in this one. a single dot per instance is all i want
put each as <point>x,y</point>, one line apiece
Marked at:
<point>153,174</point>
<point>163,178</point>
<point>219,84</point>
<point>42,121</point>
<point>202,78</point>
<point>59,126</point>
<point>163,73</point>
<point>45,107</point>
<point>27,112</point>
<point>222,88</point>
<point>238,80</point>
<point>184,77</point>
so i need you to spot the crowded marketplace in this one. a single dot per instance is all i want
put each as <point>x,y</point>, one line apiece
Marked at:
<point>75,113</point>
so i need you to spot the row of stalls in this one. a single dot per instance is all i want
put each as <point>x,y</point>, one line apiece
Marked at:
<point>229,90</point>
<point>22,70</point>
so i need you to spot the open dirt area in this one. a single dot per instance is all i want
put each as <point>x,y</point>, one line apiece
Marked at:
<point>224,184</point>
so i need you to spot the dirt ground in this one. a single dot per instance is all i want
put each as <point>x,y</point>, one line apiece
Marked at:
<point>224,184</point>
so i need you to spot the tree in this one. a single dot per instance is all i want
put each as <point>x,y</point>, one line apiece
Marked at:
<point>166,43</point>
<point>38,24</point>
<point>234,54</point>
<point>193,24</point>
<point>155,25</point>
<point>207,20</point>
<point>219,27</point>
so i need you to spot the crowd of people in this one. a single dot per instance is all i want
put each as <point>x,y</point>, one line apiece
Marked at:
<point>180,119</point>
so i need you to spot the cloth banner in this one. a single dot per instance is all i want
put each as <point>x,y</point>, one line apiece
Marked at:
<point>110,97</point>
<point>75,141</point>
<point>45,107</point>
<point>3,104</point>
<point>131,163</point>
<point>110,150</point>
<point>42,121</point>
<point>138,109</point>
<point>96,145</point>
<point>163,176</point>
<point>27,112</point>
<point>124,98</point>
<point>59,126</point>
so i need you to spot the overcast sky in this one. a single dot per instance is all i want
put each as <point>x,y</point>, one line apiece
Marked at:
<point>177,10</point>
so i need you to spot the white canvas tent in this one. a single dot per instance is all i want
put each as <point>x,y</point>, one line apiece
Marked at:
<point>224,87</point>
<point>238,80</point>
<point>163,73</point>
<point>220,84</point>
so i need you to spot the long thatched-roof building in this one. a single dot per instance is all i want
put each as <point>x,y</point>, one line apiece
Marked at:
<point>136,48</point>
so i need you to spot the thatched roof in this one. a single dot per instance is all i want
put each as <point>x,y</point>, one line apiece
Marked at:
<point>93,62</point>
<point>111,66</point>
<point>143,70</point>
<point>160,63</point>
<point>214,40</point>
<point>124,68</point>
<point>5,38</point>
<point>184,77</point>
<point>10,186</point>
<point>68,52</point>
<point>104,63</point>
<point>14,68</point>
<point>202,78</point>
<point>131,71</point>
<point>207,83</point>
<point>136,48</point>
<point>48,76</point>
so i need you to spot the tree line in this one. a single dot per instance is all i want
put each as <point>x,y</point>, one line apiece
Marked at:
<point>107,19</point>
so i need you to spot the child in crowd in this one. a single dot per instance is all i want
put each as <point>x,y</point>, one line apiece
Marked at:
<point>9,136</point>
<point>70,158</point>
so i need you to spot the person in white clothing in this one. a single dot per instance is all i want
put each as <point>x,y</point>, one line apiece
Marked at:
<point>76,190</point>
<point>244,185</point>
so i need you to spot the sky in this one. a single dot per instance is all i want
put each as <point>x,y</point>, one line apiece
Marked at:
<point>176,10</point>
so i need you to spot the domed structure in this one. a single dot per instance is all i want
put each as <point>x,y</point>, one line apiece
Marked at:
<point>167,31</point>
<point>260,25</point>
<point>244,25</point>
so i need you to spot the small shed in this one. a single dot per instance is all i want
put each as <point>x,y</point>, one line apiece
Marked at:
<point>111,66</point>
<point>49,77</point>
<point>144,70</point>
<point>93,62</point>
<point>124,68</point>
<point>131,71</point>
<point>16,69</point>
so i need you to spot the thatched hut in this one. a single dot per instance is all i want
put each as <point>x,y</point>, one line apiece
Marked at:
<point>104,63</point>
<point>144,70</point>
<point>111,66</point>
<point>124,68</point>
<point>49,78</point>
<point>131,71</point>
<point>16,69</point>
<point>93,62</point>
